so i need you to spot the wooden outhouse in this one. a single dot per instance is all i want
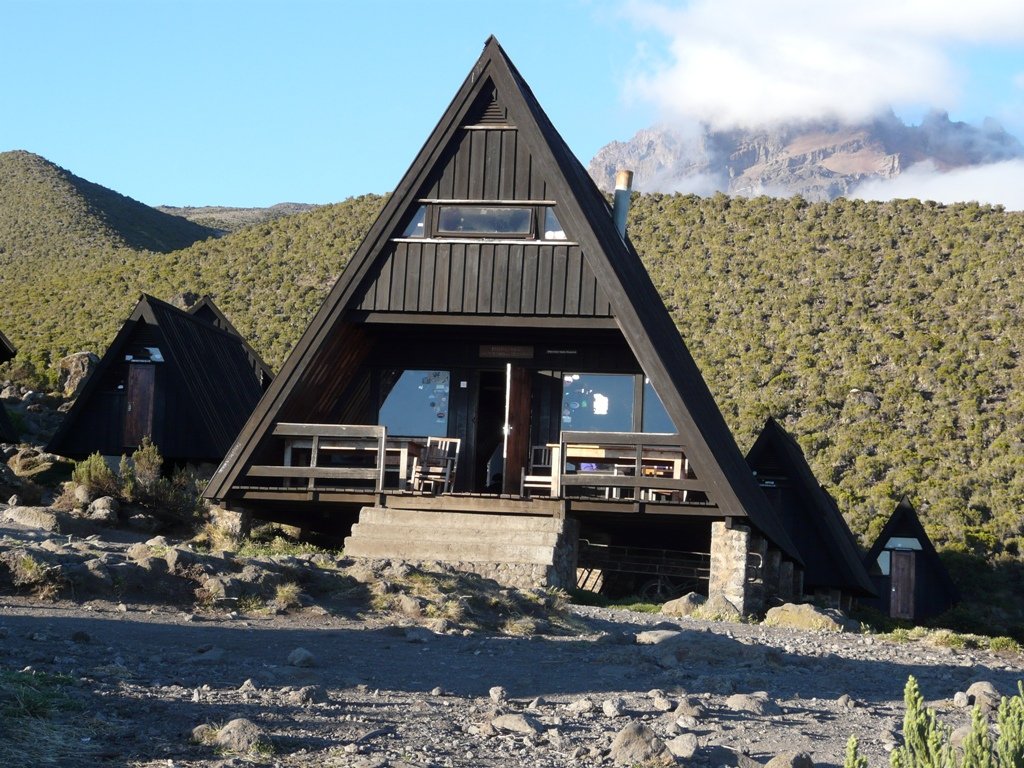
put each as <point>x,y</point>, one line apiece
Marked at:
<point>833,563</point>
<point>911,581</point>
<point>185,379</point>
<point>496,322</point>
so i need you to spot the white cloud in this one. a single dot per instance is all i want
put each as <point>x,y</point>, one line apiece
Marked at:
<point>742,63</point>
<point>997,183</point>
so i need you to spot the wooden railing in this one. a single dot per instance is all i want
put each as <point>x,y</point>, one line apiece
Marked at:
<point>637,465</point>
<point>340,455</point>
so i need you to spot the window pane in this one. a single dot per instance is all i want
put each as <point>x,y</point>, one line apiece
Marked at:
<point>481,220</point>
<point>597,402</point>
<point>416,228</point>
<point>656,418</point>
<point>417,405</point>
<point>552,229</point>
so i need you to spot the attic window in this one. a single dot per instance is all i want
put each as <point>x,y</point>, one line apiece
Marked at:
<point>552,229</point>
<point>481,220</point>
<point>416,227</point>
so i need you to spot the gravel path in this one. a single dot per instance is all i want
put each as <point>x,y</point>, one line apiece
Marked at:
<point>385,695</point>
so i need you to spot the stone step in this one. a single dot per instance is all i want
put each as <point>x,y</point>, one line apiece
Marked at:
<point>446,551</point>
<point>416,518</point>
<point>471,534</point>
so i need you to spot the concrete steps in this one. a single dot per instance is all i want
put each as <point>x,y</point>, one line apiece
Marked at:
<point>454,537</point>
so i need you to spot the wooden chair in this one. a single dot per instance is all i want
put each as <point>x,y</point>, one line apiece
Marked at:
<point>539,476</point>
<point>436,464</point>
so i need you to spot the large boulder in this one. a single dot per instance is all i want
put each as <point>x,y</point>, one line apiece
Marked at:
<point>808,617</point>
<point>636,744</point>
<point>685,605</point>
<point>74,370</point>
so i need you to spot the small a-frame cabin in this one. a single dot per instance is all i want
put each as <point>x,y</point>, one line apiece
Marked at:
<point>497,321</point>
<point>185,379</point>
<point>911,581</point>
<point>833,563</point>
<point>7,352</point>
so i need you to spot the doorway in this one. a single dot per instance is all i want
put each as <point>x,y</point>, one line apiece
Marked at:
<point>901,597</point>
<point>139,403</point>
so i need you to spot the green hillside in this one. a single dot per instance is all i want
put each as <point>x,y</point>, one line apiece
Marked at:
<point>46,209</point>
<point>886,336</point>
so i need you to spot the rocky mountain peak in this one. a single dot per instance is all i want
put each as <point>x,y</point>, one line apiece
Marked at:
<point>819,160</point>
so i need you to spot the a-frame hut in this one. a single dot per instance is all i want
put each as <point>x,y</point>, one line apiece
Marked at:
<point>7,352</point>
<point>833,564</point>
<point>495,302</point>
<point>178,377</point>
<point>911,581</point>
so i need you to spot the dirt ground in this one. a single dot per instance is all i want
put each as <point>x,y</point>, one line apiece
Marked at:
<point>377,693</point>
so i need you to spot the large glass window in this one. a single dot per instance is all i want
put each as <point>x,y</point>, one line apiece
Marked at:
<point>552,228</point>
<point>416,226</point>
<point>597,402</point>
<point>656,418</point>
<point>417,404</point>
<point>469,220</point>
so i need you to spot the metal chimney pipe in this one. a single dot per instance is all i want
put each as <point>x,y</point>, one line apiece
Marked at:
<point>620,204</point>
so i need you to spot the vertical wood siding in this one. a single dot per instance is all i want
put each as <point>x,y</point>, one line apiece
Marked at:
<point>486,278</point>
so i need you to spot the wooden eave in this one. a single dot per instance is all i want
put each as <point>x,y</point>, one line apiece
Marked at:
<point>586,216</point>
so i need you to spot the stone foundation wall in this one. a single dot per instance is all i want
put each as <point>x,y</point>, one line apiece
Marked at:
<point>728,578</point>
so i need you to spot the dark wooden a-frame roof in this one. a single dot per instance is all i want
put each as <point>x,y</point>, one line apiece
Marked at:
<point>206,310</point>
<point>832,559</point>
<point>7,350</point>
<point>905,523</point>
<point>212,365</point>
<point>584,213</point>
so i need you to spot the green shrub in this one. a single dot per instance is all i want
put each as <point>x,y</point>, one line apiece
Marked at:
<point>853,757</point>
<point>1004,645</point>
<point>95,474</point>
<point>147,463</point>
<point>926,741</point>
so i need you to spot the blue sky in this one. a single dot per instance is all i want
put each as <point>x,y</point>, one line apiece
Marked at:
<point>224,102</point>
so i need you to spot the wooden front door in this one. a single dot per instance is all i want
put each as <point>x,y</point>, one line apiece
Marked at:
<point>901,596</point>
<point>139,403</point>
<point>517,426</point>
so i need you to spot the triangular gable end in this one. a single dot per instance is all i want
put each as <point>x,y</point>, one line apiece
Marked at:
<point>592,279</point>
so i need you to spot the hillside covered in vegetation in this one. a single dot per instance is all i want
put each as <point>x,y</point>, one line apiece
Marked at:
<point>885,336</point>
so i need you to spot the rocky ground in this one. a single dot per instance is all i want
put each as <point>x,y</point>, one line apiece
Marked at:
<point>147,652</point>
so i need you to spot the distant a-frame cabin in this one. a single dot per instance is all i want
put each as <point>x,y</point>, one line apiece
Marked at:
<point>496,357</point>
<point>184,378</point>
<point>7,352</point>
<point>911,581</point>
<point>833,564</point>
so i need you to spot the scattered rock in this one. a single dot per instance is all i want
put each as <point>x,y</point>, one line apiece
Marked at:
<point>40,518</point>
<point>809,617</point>
<point>657,636</point>
<point>638,744</point>
<point>308,694</point>
<point>580,706</point>
<point>984,695</point>
<point>791,760</point>
<point>516,723</point>
<point>685,605</point>
<point>498,694</point>
<point>242,736</point>
<point>73,370</point>
<point>684,745</point>
<point>961,699</point>
<point>612,707</point>
<point>300,657</point>
<point>756,703</point>
<point>718,608</point>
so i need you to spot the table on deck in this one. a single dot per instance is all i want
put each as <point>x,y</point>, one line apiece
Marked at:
<point>654,462</point>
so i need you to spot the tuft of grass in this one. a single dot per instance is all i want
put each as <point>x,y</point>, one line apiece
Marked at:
<point>1004,644</point>
<point>251,604</point>
<point>42,721</point>
<point>286,595</point>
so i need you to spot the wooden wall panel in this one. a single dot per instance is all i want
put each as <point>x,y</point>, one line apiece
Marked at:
<point>486,278</point>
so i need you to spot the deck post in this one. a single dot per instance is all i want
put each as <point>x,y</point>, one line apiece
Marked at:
<point>728,578</point>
